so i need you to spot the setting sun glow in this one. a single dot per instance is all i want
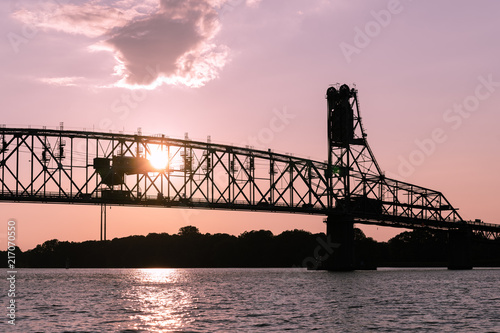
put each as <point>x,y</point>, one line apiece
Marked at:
<point>158,160</point>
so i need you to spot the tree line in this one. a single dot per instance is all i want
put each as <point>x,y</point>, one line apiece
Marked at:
<point>295,248</point>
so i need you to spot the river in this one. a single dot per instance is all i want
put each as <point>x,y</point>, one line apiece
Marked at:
<point>254,300</point>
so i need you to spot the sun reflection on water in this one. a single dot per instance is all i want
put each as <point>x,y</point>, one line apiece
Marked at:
<point>158,275</point>
<point>160,302</point>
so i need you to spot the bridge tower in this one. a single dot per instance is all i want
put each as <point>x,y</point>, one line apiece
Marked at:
<point>348,151</point>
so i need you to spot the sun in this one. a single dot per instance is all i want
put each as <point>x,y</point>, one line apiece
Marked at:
<point>158,160</point>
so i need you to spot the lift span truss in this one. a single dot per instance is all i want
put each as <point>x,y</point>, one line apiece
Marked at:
<point>88,167</point>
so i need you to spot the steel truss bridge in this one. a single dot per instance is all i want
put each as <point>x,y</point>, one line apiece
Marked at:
<point>82,167</point>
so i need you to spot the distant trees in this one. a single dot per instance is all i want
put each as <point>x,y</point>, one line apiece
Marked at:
<point>367,252</point>
<point>188,231</point>
<point>419,245</point>
<point>190,248</point>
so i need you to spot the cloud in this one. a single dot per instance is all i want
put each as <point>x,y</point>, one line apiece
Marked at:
<point>91,19</point>
<point>61,81</point>
<point>177,42</point>
<point>253,3</point>
<point>154,42</point>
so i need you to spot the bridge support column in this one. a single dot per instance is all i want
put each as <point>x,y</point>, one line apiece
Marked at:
<point>340,233</point>
<point>459,247</point>
<point>103,221</point>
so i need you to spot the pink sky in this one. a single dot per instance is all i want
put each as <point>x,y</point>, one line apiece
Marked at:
<point>225,68</point>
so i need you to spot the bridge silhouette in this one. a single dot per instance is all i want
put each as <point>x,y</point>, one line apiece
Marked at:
<point>87,167</point>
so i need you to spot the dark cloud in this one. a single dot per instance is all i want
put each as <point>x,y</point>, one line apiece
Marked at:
<point>154,42</point>
<point>169,45</point>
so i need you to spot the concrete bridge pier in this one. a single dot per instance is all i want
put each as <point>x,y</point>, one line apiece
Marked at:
<point>460,247</point>
<point>340,236</point>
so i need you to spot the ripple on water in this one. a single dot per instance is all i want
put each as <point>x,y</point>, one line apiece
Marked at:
<point>262,300</point>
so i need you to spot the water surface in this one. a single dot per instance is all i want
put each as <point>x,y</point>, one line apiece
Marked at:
<point>256,300</point>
